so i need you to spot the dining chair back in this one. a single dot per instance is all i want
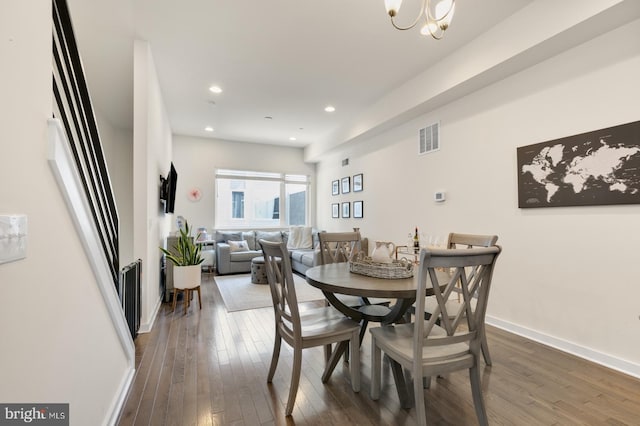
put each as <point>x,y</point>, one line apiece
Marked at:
<point>315,327</point>
<point>429,349</point>
<point>336,247</point>
<point>457,240</point>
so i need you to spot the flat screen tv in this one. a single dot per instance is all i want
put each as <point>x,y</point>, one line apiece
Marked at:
<point>168,190</point>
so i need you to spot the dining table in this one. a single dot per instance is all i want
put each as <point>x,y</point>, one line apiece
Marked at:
<point>336,278</point>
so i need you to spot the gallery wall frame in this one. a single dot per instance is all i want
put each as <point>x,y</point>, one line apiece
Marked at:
<point>346,184</point>
<point>346,210</point>
<point>601,167</point>
<point>335,210</point>
<point>335,187</point>
<point>357,182</point>
<point>358,209</point>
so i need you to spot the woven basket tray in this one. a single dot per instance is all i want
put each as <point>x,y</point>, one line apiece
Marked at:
<point>395,270</point>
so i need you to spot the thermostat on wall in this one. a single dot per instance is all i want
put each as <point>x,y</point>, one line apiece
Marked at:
<point>439,196</point>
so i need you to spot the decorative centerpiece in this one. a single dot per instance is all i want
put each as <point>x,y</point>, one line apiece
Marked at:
<point>396,269</point>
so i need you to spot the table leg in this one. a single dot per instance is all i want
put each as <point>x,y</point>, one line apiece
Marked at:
<point>333,360</point>
<point>401,385</point>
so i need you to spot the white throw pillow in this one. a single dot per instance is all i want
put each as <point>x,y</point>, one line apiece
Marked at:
<point>300,237</point>
<point>238,246</point>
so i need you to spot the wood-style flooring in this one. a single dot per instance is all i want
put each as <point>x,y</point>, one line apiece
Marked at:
<point>209,367</point>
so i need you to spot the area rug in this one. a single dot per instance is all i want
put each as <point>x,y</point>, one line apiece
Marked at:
<point>240,294</point>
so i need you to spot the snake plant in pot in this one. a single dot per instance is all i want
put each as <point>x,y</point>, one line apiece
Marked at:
<point>186,259</point>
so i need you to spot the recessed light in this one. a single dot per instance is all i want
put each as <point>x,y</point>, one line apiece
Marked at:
<point>208,129</point>
<point>329,108</point>
<point>292,138</point>
<point>215,89</point>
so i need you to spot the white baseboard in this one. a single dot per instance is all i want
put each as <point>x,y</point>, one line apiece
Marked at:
<point>147,327</point>
<point>121,397</point>
<point>601,358</point>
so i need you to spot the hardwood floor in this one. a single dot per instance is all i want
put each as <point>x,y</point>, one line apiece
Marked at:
<point>209,367</point>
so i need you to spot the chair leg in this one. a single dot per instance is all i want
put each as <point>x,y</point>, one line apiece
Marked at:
<point>355,362</point>
<point>418,390</point>
<point>274,357</point>
<point>175,297</point>
<point>340,348</point>
<point>485,349</point>
<point>476,390</point>
<point>426,382</point>
<point>327,353</point>
<point>376,369</point>
<point>295,380</point>
<point>199,298</point>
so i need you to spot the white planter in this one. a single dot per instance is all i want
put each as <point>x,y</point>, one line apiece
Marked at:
<point>186,277</point>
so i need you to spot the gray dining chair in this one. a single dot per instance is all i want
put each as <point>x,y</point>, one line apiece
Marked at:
<point>428,349</point>
<point>314,327</point>
<point>457,240</point>
<point>337,247</point>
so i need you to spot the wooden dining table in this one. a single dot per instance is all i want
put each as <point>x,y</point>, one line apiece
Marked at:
<point>336,278</point>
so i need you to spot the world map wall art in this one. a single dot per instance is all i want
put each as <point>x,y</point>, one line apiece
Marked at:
<point>594,168</point>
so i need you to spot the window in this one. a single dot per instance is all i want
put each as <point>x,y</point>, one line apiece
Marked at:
<point>246,199</point>
<point>237,205</point>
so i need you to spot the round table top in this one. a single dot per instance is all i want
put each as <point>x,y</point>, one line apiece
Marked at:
<point>336,278</point>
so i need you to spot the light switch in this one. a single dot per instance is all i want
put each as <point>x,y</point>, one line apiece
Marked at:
<point>13,237</point>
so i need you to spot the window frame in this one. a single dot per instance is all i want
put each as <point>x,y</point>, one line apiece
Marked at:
<point>254,175</point>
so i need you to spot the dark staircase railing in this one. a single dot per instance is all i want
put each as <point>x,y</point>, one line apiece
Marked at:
<point>130,295</point>
<point>73,107</point>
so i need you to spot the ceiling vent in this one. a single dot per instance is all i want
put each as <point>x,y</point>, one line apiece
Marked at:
<point>430,138</point>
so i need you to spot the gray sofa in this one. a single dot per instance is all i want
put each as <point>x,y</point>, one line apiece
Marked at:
<point>228,262</point>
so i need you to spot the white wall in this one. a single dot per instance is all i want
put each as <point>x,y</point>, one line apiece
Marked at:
<point>58,341</point>
<point>151,158</point>
<point>564,276</point>
<point>196,159</point>
<point>117,146</point>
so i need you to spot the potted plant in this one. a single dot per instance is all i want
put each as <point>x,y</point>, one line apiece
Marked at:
<point>186,260</point>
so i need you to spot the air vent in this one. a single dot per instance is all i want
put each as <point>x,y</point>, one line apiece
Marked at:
<point>345,162</point>
<point>430,138</point>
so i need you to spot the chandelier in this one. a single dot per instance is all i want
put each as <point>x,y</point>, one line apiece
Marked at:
<point>435,18</point>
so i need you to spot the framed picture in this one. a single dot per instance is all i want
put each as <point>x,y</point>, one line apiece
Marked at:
<point>357,183</point>
<point>357,208</point>
<point>601,167</point>
<point>346,185</point>
<point>335,187</point>
<point>335,210</point>
<point>346,211</point>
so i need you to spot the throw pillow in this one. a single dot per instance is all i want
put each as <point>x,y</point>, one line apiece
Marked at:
<point>300,237</point>
<point>235,246</point>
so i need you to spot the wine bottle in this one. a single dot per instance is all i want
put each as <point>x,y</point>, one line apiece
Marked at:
<point>416,242</point>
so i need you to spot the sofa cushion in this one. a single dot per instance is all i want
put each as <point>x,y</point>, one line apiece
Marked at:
<point>275,236</point>
<point>236,246</point>
<point>300,237</point>
<point>224,236</point>
<point>244,256</point>
<point>304,256</point>
<point>250,238</point>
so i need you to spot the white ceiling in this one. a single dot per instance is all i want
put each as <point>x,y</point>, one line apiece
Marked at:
<point>286,59</point>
